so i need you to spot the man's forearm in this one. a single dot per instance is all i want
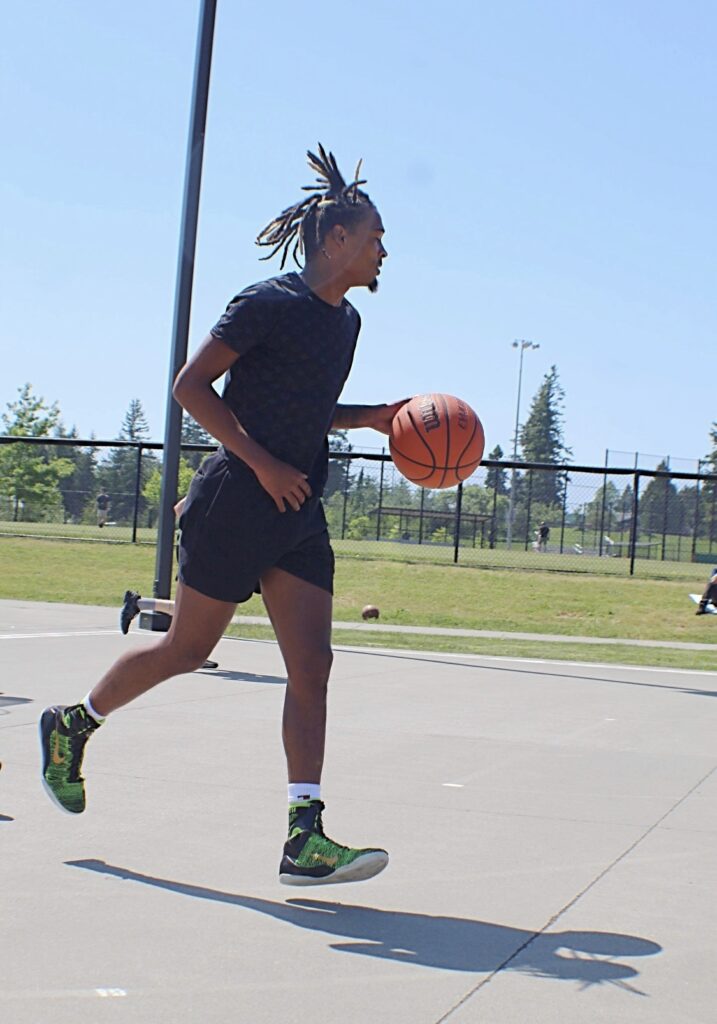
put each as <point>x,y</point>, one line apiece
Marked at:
<point>348,417</point>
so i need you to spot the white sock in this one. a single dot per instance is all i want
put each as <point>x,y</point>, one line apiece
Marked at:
<point>301,791</point>
<point>87,705</point>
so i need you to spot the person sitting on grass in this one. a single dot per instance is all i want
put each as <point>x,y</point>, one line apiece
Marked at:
<point>710,594</point>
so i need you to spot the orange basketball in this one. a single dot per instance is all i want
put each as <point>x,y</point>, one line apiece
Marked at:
<point>436,440</point>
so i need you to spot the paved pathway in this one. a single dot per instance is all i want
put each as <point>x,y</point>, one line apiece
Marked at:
<point>370,627</point>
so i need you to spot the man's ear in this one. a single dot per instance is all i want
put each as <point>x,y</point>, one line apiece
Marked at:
<point>338,235</point>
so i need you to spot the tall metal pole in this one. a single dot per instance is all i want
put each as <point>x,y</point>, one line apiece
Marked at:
<point>522,345</point>
<point>183,296</point>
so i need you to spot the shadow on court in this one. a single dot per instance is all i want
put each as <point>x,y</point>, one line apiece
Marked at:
<point>241,677</point>
<point>446,943</point>
<point>513,670</point>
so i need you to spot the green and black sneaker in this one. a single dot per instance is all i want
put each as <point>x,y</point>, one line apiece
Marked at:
<point>63,734</point>
<point>311,858</point>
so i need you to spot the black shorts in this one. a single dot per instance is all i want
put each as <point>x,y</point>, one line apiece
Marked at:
<point>232,532</point>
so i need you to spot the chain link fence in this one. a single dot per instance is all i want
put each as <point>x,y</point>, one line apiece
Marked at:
<point>597,519</point>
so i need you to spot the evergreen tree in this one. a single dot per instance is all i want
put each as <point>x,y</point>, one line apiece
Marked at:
<point>711,459</point>
<point>364,494</point>
<point>79,487</point>
<point>709,488</point>
<point>30,473</point>
<point>497,478</point>
<point>659,505</point>
<point>118,475</point>
<point>541,439</point>
<point>192,433</point>
<point>594,512</point>
<point>622,515</point>
<point>339,478</point>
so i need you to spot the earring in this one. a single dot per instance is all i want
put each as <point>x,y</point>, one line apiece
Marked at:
<point>325,254</point>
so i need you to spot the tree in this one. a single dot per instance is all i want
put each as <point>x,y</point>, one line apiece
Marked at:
<point>339,478</point>
<point>594,511</point>
<point>152,489</point>
<point>30,474</point>
<point>709,488</point>
<point>497,478</point>
<point>364,494</point>
<point>541,439</point>
<point>659,505</point>
<point>79,486</point>
<point>712,457</point>
<point>118,475</point>
<point>192,433</point>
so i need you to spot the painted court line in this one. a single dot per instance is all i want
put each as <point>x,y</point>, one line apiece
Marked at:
<point>52,636</point>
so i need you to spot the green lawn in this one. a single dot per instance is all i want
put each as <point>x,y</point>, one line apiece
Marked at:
<point>414,594</point>
<point>517,557</point>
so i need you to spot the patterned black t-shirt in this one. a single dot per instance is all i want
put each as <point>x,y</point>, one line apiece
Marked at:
<point>295,355</point>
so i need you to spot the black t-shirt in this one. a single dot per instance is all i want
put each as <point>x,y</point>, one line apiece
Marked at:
<point>295,355</point>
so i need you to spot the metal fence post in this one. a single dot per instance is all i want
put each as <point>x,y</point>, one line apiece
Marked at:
<point>137,486</point>
<point>602,508</point>
<point>635,514</point>
<point>527,511</point>
<point>565,512</point>
<point>665,513</point>
<point>491,539</point>
<point>420,521</point>
<point>696,528</point>
<point>380,500</point>
<point>457,533</point>
<point>346,499</point>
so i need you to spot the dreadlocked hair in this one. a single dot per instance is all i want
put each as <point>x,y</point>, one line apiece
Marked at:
<point>305,224</point>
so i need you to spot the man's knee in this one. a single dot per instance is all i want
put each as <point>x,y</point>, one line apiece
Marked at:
<point>311,671</point>
<point>185,657</point>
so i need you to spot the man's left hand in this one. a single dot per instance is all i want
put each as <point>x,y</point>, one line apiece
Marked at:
<point>384,414</point>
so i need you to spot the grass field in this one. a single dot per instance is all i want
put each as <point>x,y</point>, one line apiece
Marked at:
<point>415,594</point>
<point>437,554</point>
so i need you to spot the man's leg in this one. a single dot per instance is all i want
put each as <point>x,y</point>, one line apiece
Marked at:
<point>300,613</point>
<point>301,616</point>
<point>198,624</point>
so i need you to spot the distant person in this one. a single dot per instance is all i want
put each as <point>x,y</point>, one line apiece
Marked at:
<point>103,508</point>
<point>543,533</point>
<point>710,594</point>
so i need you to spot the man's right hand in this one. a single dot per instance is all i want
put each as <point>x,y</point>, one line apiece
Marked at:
<point>283,482</point>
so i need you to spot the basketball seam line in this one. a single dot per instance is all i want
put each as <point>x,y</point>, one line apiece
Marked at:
<point>448,437</point>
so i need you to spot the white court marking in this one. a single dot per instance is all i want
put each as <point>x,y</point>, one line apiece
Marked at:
<point>405,651</point>
<point>52,636</point>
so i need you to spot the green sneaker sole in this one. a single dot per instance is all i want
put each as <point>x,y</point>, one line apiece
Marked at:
<point>366,866</point>
<point>45,784</point>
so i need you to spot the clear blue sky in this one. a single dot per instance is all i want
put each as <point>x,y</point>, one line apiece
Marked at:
<point>544,170</point>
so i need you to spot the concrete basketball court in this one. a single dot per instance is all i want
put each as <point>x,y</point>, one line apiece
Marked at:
<point>552,831</point>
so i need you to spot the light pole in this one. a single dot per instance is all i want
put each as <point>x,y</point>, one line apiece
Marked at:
<point>522,346</point>
<point>183,297</point>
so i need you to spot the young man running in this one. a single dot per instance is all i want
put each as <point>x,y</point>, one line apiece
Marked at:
<point>253,517</point>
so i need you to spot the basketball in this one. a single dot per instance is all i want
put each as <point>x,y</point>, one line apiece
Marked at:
<point>370,612</point>
<point>436,440</point>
